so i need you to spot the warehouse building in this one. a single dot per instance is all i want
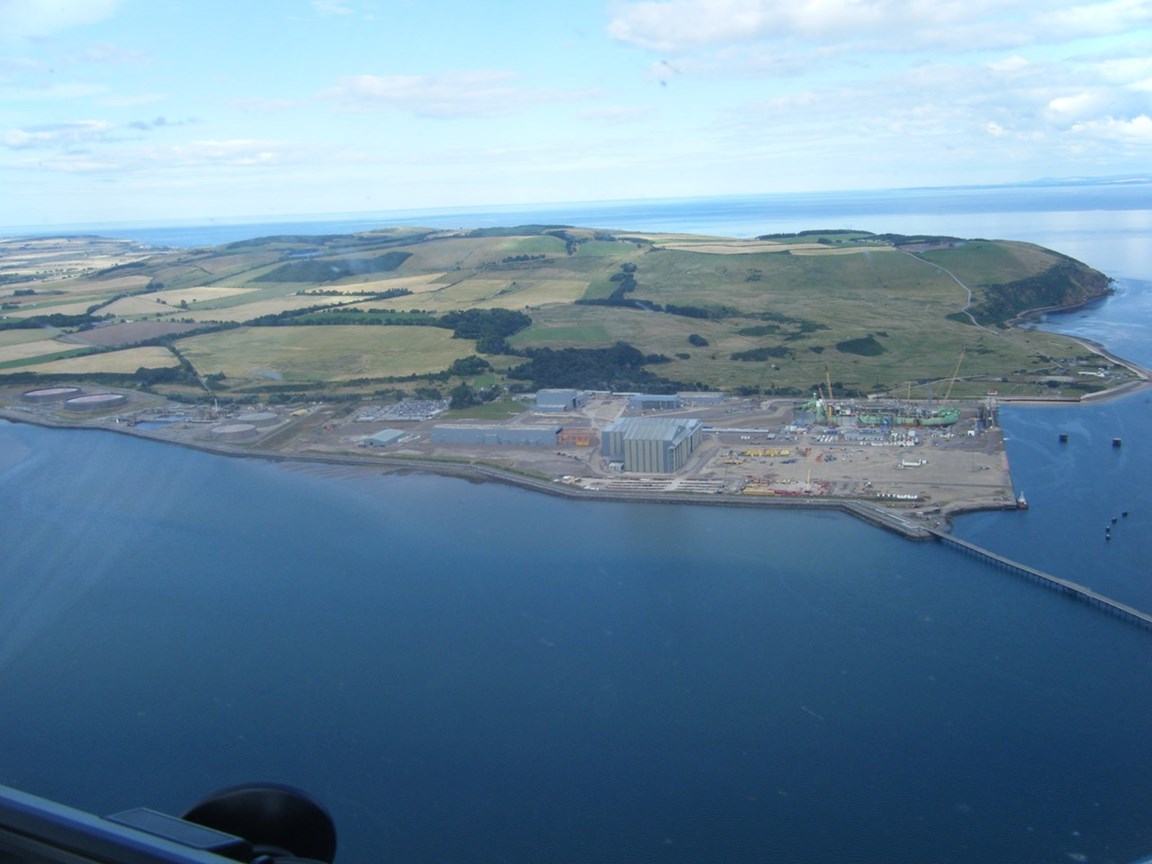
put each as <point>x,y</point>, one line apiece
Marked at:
<point>384,437</point>
<point>494,435</point>
<point>654,401</point>
<point>559,400</point>
<point>651,445</point>
<point>702,397</point>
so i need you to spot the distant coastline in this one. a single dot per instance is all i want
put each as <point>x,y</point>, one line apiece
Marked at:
<point>726,215</point>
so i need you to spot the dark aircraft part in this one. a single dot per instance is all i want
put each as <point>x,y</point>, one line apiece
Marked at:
<point>283,824</point>
<point>257,824</point>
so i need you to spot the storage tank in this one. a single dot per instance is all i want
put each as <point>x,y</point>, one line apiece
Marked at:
<point>96,402</point>
<point>235,432</point>
<point>259,418</point>
<point>50,394</point>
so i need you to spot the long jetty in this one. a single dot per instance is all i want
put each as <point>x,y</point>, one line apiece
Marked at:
<point>1063,586</point>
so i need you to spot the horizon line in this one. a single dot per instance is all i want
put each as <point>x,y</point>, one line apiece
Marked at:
<point>25,230</point>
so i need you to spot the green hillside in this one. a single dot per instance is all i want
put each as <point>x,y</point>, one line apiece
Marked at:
<point>624,310</point>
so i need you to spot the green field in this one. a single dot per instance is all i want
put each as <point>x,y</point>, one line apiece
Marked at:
<point>321,354</point>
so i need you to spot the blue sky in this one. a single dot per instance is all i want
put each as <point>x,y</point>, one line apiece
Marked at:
<point>146,110</point>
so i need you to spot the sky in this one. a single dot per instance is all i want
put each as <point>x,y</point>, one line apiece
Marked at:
<point>144,111</point>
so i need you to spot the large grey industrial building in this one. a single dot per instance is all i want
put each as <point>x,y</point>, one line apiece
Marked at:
<point>654,401</point>
<point>651,445</point>
<point>560,400</point>
<point>495,435</point>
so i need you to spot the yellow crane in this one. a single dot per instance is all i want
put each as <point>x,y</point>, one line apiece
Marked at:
<point>827,403</point>
<point>955,372</point>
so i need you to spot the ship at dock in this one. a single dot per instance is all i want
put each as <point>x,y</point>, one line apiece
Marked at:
<point>908,415</point>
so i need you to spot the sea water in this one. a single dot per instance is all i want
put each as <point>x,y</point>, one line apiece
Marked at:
<point>467,672</point>
<point>476,673</point>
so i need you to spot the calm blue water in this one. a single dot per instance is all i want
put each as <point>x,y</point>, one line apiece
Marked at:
<point>473,673</point>
<point>1055,215</point>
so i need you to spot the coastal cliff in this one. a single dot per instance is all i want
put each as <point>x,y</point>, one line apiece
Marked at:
<point>1066,284</point>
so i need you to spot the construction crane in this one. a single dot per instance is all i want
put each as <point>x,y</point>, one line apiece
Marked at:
<point>828,401</point>
<point>955,372</point>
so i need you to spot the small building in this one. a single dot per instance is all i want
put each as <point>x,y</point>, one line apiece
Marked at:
<point>495,435</point>
<point>654,401</point>
<point>556,401</point>
<point>576,436</point>
<point>651,445</point>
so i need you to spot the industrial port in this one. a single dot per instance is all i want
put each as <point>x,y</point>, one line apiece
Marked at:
<point>924,462</point>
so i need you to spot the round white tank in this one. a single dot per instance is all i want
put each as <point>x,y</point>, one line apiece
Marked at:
<point>235,432</point>
<point>96,402</point>
<point>259,418</point>
<point>50,394</point>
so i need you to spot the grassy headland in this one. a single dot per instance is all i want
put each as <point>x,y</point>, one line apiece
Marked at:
<point>475,313</point>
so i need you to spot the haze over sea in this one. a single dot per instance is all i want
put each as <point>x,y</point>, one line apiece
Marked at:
<point>475,673</point>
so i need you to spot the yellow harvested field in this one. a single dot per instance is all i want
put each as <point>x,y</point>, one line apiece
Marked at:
<point>165,301</point>
<point>77,308</point>
<point>747,247</point>
<point>415,284</point>
<point>330,353</point>
<point>201,294</point>
<point>95,287</point>
<point>486,294</point>
<point>120,283</point>
<point>255,309</point>
<point>728,247</point>
<point>664,239</point>
<point>35,348</point>
<point>124,362</point>
<point>816,249</point>
<point>18,337</point>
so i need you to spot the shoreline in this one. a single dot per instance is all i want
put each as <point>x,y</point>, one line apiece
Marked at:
<point>476,470</point>
<point>866,511</point>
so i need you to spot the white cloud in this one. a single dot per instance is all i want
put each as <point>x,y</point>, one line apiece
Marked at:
<point>479,93</point>
<point>1126,69</point>
<point>188,159</point>
<point>131,101</point>
<point>108,54</point>
<point>1076,105</point>
<point>264,106</point>
<point>13,66</point>
<point>82,135</point>
<point>56,135</point>
<point>1138,130</point>
<point>241,152</point>
<point>77,163</point>
<point>893,26</point>
<point>978,114</point>
<point>159,122</point>
<point>20,19</point>
<point>1015,63</point>
<point>615,115</point>
<point>331,7</point>
<point>1115,16</point>
<point>62,91</point>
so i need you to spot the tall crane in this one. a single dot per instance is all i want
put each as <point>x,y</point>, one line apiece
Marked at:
<point>827,404</point>
<point>828,401</point>
<point>955,372</point>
